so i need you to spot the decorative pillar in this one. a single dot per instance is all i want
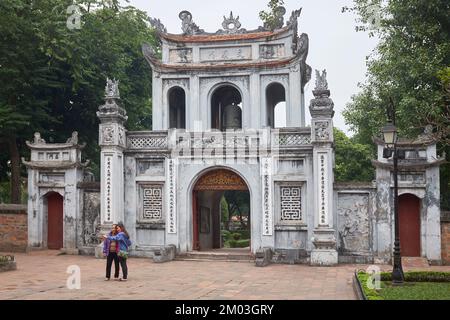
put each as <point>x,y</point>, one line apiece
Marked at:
<point>324,238</point>
<point>112,140</point>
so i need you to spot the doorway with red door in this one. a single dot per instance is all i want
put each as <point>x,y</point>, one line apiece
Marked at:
<point>55,223</point>
<point>409,223</point>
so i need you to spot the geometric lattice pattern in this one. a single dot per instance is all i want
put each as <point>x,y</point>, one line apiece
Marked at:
<point>152,203</point>
<point>291,203</point>
<point>147,142</point>
<point>294,139</point>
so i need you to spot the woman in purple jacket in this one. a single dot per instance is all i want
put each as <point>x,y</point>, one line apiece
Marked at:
<point>110,251</point>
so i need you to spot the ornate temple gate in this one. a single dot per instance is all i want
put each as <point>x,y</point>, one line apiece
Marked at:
<point>215,180</point>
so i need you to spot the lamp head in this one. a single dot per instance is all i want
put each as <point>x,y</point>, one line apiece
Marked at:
<point>389,134</point>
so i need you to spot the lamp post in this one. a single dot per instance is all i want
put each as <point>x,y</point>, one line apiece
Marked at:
<point>390,140</point>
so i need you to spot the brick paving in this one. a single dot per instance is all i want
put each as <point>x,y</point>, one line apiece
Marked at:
<point>42,275</point>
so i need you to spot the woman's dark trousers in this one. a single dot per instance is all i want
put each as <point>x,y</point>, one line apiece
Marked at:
<point>123,265</point>
<point>112,256</point>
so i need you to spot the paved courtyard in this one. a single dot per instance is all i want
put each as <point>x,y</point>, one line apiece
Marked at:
<point>42,275</point>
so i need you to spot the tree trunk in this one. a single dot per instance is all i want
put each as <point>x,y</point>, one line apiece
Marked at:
<point>15,170</point>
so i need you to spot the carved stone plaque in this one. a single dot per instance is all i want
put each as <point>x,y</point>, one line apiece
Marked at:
<point>226,53</point>
<point>180,55</point>
<point>271,51</point>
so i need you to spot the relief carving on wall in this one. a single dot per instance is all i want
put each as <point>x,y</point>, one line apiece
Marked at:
<point>91,218</point>
<point>322,131</point>
<point>241,82</point>
<point>169,83</point>
<point>221,179</point>
<point>108,135</point>
<point>180,55</point>
<point>270,51</point>
<point>122,136</point>
<point>281,78</point>
<point>353,223</point>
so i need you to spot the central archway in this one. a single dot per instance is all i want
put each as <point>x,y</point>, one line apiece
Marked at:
<point>226,108</point>
<point>221,211</point>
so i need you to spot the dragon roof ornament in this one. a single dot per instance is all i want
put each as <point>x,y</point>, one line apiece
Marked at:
<point>188,25</point>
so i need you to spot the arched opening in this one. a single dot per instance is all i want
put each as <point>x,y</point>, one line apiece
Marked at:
<point>276,105</point>
<point>55,213</point>
<point>221,212</point>
<point>177,108</point>
<point>226,108</point>
<point>409,225</point>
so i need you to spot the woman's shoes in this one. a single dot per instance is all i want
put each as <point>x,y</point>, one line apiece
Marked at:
<point>122,279</point>
<point>106,279</point>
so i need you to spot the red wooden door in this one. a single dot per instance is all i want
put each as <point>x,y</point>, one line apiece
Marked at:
<point>55,221</point>
<point>409,223</point>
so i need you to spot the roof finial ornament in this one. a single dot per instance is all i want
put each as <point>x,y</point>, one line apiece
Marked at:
<point>112,89</point>
<point>187,25</point>
<point>231,24</point>
<point>158,25</point>
<point>321,80</point>
<point>38,139</point>
<point>294,16</point>
<point>73,139</point>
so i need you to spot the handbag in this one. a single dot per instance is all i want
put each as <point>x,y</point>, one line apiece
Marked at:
<point>123,254</point>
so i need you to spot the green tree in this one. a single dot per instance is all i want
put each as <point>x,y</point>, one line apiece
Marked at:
<point>224,210</point>
<point>352,159</point>
<point>53,76</point>
<point>238,205</point>
<point>410,65</point>
<point>271,17</point>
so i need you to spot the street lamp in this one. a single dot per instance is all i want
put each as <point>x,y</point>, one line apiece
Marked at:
<point>390,140</point>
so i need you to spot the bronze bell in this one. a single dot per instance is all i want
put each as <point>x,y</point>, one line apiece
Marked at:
<point>232,117</point>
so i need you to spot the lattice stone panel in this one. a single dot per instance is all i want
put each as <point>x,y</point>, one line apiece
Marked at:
<point>291,203</point>
<point>152,202</point>
<point>294,139</point>
<point>147,142</point>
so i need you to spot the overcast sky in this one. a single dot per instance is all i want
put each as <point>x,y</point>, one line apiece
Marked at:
<point>334,44</point>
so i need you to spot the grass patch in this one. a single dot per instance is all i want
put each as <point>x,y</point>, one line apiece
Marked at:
<point>416,291</point>
<point>422,285</point>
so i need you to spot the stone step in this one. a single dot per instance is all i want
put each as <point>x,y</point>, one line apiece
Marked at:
<point>418,262</point>
<point>181,258</point>
<point>217,256</point>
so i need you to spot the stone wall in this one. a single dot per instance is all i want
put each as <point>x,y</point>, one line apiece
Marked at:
<point>355,220</point>
<point>445,237</point>
<point>89,222</point>
<point>13,228</point>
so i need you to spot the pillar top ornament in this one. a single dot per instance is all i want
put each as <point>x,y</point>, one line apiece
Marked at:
<point>321,105</point>
<point>112,111</point>
<point>321,80</point>
<point>112,89</point>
